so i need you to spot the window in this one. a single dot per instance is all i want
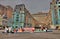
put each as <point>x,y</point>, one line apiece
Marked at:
<point>59,12</point>
<point>59,9</point>
<point>17,20</point>
<point>5,21</point>
<point>22,18</point>
<point>59,2</point>
<point>13,14</point>
<point>16,26</point>
<point>56,22</point>
<point>59,6</point>
<point>20,8</point>
<point>17,15</point>
<point>56,2</point>
<point>5,17</point>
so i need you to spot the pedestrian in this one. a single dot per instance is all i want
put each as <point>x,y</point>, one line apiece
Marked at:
<point>6,29</point>
<point>10,29</point>
<point>46,29</point>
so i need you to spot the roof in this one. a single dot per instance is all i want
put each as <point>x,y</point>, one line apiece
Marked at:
<point>40,13</point>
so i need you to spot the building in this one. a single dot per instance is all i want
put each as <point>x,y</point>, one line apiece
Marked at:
<point>9,12</point>
<point>22,17</point>
<point>2,11</point>
<point>30,21</point>
<point>41,17</point>
<point>9,15</point>
<point>6,13</point>
<point>44,19</point>
<point>19,16</point>
<point>55,11</point>
<point>58,11</point>
<point>49,16</point>
<point>0,20</point>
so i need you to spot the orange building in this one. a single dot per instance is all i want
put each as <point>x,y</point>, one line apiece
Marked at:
<point>6,14</point>
<point>2,9</point>
<point>9,12</point>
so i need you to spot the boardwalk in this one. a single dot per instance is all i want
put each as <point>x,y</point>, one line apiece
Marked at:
<point>47,35</point>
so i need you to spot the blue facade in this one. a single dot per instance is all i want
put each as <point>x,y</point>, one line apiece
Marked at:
<point>58,11</point>
<point>18,17</point>
<point>55,13</point>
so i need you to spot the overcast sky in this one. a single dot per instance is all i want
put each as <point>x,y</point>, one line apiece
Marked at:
<point>33,6</point>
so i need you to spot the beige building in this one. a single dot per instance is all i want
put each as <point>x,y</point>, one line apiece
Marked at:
<point>43,18</point>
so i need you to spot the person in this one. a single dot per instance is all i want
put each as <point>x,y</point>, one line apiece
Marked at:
<point>57,27</point>
<point>46,29</point>
<point>19,30</point>
<point>6,29</point>
<point>10,29</point>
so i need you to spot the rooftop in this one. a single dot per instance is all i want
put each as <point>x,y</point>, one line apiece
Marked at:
<point>40,13</point>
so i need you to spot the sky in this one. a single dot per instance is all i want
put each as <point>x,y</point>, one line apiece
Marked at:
<point>33,6</point>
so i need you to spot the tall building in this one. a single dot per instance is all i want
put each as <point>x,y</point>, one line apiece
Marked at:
<point>6,14</point>
<point>55,11</point>
<point>9,12</point>
<point>9,15</point>
<point>22,17</point>
<point>2,12</point>
<point>41,18</point>
<point>58,11</point>
<point>19,16</point>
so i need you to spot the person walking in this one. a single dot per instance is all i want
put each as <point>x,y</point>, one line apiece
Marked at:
<point>6,29</point>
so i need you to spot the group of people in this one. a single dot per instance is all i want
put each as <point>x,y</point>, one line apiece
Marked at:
<point>45,29</point>
<point>11,30</point>
<point>8,29</point>
<point>41,28</point>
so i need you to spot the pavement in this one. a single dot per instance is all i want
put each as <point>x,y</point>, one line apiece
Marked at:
<point>42,35</point>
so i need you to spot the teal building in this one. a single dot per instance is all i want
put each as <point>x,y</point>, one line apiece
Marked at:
<point>54,14</point>
<point>19,16</point>
<point>55,10</point>
<point>58,11</point>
